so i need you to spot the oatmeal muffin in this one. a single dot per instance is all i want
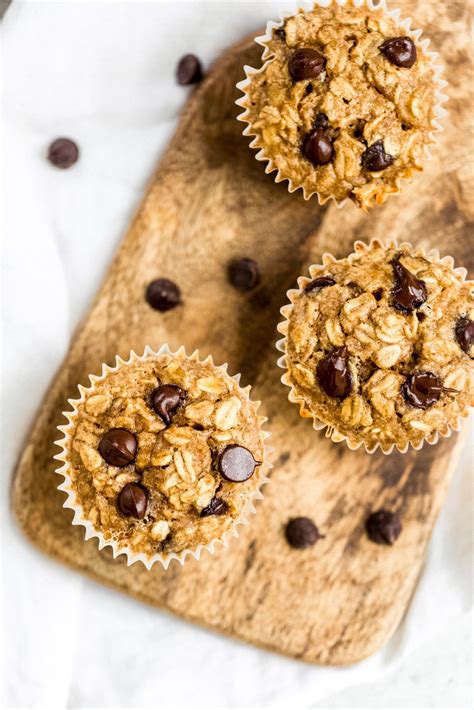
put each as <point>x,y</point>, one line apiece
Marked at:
<point>162,454</point>
<point>344,105</point>
<point>379,346</point>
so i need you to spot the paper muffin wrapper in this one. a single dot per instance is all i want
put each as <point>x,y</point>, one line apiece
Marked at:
<point>292,294</point>
<point>439,113</point>
<point>67,486</point>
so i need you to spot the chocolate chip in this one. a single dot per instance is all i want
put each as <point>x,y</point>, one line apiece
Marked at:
<point>422,389</point>
<point>280,33</point>
<point>118,447</point>
<point>321,121</point>
<point>189,70</point>
<point>306,63</point>
<point>400,51</point>
<point>375,159</point>
<point>63,153</point>
<point>409,292</point>
<point>334,375</point>
<point>302,532</point>
<point>217,506</point>
<point>236,463</point>
<point>163,295</point>
<point>377,294</point>
<point>243,273</point>
<point>383,527</point>
<point>464,331</point>
<point>165,400</point>
<point>317,147</point>
<point>317,284</point>
<point>132,500</point>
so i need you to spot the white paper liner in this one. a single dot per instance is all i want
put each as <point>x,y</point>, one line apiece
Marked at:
<point>422,45</point>
<point>72,501</point>
<point>292,294</point>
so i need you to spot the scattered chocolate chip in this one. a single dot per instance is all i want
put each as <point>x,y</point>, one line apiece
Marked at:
<point>163,295</point>
<point>334,375</point>
<point>421,316</point>
<point>217,506</point>
<point>321,121</point>
<point>409,292</point>
<point>236,463</point>
<point>359,130</point>
<point>406,127</point>
<point>383,527</point>
<point>423,389</point>
<point>375,159</point>
<point>309,89</point>
<point>306,64</point>
<point>118,447</point>
<point>301,533</point>
<point>165,400</point>
<point>317,147</point>
<point>317,284</point>
<point>464,331</point>
<point>243,273</point>
<point>377,294</point>
<point>280,33</point>
<point>400,51</point>
<point>132,500</point>
<point>189,70</point>
<point>63,153</point>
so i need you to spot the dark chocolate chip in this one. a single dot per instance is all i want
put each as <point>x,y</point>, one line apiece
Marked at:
<point>302,532</point>
<point>236,463</point>
<point>421,316</point>
<point>400,51</point>
<point>317,147</point>
<point>132,500</point>
<point>163,295</point>
<point>118,447</point>
<point>189,70</point>
<point>306,63</point>
<point>423,389</point>
<point>377,294</point>
<point>280,33</point>
<point>375,159</point>
<point>317,284</point>
<point>409,292</point>
<point>464,331</point>
<point>243,273</point>
<point>63,153</point>
<point>217,506</point>
<point>334,375</point>
<point>383,527</point>
<point>165,400</point>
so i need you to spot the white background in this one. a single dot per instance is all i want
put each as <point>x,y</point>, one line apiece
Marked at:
<point>103,73</point>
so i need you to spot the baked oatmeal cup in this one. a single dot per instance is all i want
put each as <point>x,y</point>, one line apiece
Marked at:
<point>162,456</point>
<point>346,102</point>
<point>379,346</point>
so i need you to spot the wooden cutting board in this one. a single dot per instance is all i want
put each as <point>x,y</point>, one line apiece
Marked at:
<point>209,201</point>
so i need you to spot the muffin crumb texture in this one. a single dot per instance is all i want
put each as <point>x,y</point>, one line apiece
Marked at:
<point>345,105</point>
<point>164,454</point>
<point>380,346</point>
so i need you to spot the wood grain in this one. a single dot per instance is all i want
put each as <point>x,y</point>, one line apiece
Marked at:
<point>208,202</point>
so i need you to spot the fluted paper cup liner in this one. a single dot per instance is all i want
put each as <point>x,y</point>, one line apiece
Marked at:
<point>67,486</point>
<point>404,25</point>
<point>316,270</point>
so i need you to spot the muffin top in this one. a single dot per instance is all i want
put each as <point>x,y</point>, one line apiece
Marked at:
<point>345,105</point>
<point>380,345</point>
<point>164,453</point>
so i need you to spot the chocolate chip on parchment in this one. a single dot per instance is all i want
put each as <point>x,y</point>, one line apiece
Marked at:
<point>464,331</point>
<point>217,506</point>
<point>132,500</point>
<point>408,292</point>
<point>118,447</point>
<point>163,295</point>
<point>166,399</point>
<point>400,51</point>
<point>236,463</point>
<point>63,153</point>
<point>317,284</point>
<point>317,147</point>
<point>423,389</point>
<point>334,375</point>
<point>243,273</point>
<point>375,159</point>
<point>306,63</point>
<point>301,533</point>
<point>189,70</point>
<point>383,527</point>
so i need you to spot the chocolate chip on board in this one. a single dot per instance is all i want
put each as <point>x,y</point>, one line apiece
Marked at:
<point>243,273</point>
<point>301,533</point>
<point>383,527</point>
<point>163,295</point>
<point>189,70</point>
